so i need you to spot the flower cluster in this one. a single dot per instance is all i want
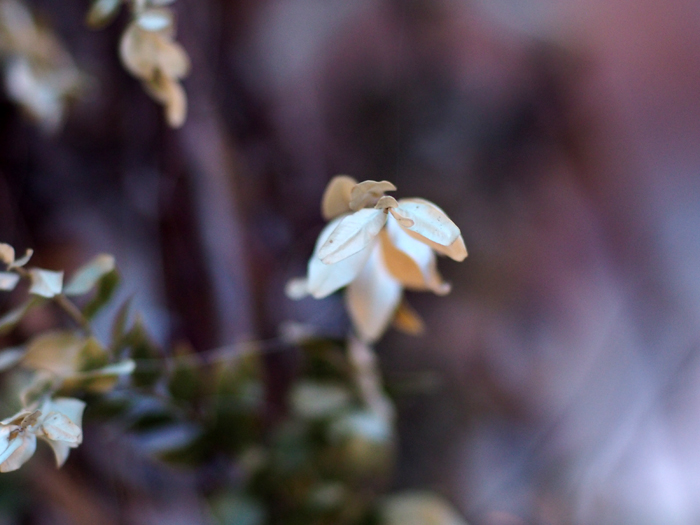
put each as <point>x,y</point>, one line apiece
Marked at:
<point>149,52</point>
<point>57,421</point>
<point>40,75</point>
<point>377,246</point>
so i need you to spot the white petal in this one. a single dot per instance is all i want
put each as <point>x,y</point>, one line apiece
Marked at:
<point>411,261</point>
<point>372,298</point>
<point>70,407</point>
<point>21,454</point>
<point>426,219</point>
<point>456,251</point>
<point>57,427</point>
<point>7,445</point>
<point>355,232</point>
<point>61,449</point>
<point>8,281</point>
<point>324,279</point>
<point>45,282</point>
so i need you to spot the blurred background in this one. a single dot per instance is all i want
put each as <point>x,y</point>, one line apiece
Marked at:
<point>559,383</point>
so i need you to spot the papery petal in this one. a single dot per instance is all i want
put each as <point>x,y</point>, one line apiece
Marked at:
<point>410,261</point>
<point>24,259</point>
<point>61,449</point>
<point>367,193</point>
<point>70,407</point>
<point>45,283</point>
<point>354,232</point>
<point>336,197</point>
<point>57,427</point>
<point>171,94</point>
<point>7,253</point>
<point>324,279</point>
<point>21,453</point>
<point>372,298</point>
<point>456,251</point>
<point>426,219</point>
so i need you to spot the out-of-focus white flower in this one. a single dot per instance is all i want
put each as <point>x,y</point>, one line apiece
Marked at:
<point>377,246</point>
<point>149,52</point>
<point>40,75</point>
<point>56,421</point>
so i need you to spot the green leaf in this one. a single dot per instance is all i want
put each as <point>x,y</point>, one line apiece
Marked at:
<point>56,352</point>
<point>314,400</point>
<point>237,509</point>
<point>184,383</point>
<point>88,275</point>
<point>146,354</point>
<point>91,356</point>
<point>119,326</point>
<point>106,286</point>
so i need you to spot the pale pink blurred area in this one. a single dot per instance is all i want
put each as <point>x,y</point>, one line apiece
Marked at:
<point>568,348</point>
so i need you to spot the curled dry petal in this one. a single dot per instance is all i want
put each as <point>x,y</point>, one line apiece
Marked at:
<point>58,427</point>
<point>456,251</point>
<point>367,193</point>
<point>324,279</point>
<point>354,232</point>
<point>427,219</point>
<point>7,254</point>
<point>372,298</point>
<point>410,261</point>
<point>170,93</point>
<point>336,197</point>
<point>144,53</point>
<point>386,202</point>
<point>407,320</point>
<point>24,259</point>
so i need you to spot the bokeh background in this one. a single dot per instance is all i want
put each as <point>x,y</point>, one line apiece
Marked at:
<point>559,383</point>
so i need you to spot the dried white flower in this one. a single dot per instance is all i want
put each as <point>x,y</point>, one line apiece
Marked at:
<point>56,421</point>
<point>377,246</point>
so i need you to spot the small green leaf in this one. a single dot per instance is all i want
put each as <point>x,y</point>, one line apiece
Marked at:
<point>148,357</point>
<point>314,400</point>
<point>91,356</point>
<point>106,286</point>
<point>184,383</point>
<point>87,276</point>
<point>119,326</point>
